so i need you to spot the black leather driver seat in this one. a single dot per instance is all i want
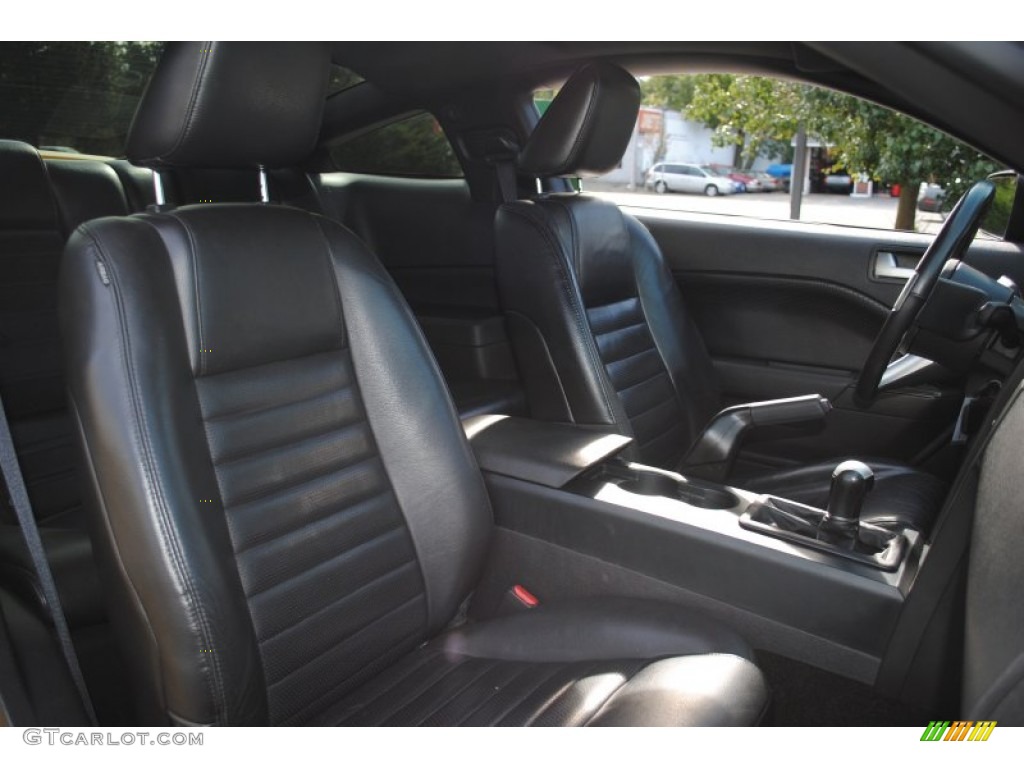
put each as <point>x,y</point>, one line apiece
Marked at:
<point>598,325</point>
<point>290,514</point>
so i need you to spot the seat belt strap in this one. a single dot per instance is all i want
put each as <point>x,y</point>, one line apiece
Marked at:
<point>23,510</point>
<point>508,182</point>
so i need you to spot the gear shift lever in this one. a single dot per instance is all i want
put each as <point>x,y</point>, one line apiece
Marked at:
<point>851,482</point>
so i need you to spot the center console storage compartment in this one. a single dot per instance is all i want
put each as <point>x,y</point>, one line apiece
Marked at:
<point>540,452</point>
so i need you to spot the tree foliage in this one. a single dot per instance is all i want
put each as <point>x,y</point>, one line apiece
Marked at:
<point>756,114</point>
<point>79,95</point>
<point>889,146</point>
<point>669,91</point>
<point>760,115</point>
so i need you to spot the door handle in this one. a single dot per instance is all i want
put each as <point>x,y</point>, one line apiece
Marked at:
<point>887,266</point>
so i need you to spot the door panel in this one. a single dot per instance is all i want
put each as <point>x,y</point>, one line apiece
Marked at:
<point>789,308</point>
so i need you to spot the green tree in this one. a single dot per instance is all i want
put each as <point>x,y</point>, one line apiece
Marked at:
<point>890,146</point>
<point>759,116</point>
<point>80,95</point>
<point>755,114</point>
<point>668,91</point>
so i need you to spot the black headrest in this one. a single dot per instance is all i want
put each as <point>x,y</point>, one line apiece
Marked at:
<point>587,127</point>
<point>25,198</point>
<point>231,105</point>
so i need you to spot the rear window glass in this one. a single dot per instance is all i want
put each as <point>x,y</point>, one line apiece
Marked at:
<point>73,96</point>
<point>413,146</point>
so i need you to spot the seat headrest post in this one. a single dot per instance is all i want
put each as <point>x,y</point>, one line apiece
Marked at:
<point>264,187</point>
<point>158,189</point>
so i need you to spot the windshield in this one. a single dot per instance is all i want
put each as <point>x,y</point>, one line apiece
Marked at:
<point>73,96</point>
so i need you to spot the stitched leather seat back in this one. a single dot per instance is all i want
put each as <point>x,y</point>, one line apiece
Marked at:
<point>265,478</point>
<point>599,327</point>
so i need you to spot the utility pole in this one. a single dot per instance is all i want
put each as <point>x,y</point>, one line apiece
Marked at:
<point>796,180</point>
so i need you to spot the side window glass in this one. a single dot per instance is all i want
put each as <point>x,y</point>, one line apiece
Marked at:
<point>865,165</point>
<point>413,146</point>
<point>73,97</point>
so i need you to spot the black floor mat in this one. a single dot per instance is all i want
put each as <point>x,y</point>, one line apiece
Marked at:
<point>803,695</point>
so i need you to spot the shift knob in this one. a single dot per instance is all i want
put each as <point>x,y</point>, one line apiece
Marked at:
<point>851,482</point>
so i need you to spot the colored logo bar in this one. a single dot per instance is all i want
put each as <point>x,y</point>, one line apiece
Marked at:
<point>958,730</point>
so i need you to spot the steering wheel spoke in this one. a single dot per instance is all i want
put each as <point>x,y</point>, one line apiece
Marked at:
<point>906,370</point>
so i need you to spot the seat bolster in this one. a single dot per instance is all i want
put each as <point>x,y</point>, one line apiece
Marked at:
<point>173,586</point>
<point>424,450</point>
<point>706,690</point>
<point>596,629</point>
<point>901,496</point>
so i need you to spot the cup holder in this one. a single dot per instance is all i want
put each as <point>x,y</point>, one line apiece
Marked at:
<point>689,492</point>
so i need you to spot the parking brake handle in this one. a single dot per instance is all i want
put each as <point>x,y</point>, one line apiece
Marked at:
<point>714,452</point>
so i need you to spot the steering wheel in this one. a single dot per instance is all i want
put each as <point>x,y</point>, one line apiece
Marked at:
<point>952,241</point>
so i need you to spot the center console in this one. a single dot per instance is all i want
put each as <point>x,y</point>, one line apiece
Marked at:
<point>809,583</point>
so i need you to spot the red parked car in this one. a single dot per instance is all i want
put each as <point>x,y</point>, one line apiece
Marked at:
<point>748,180</point>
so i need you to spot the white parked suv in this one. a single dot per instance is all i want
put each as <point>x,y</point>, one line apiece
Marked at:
<point>688,177</point>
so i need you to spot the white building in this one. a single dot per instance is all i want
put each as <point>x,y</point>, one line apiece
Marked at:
<point>677,139</point>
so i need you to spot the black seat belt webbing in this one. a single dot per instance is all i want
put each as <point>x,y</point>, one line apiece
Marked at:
<point>508,182</point>
<point>23,509</point>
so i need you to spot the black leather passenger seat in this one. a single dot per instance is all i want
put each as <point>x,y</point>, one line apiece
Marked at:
<point>291,513</point>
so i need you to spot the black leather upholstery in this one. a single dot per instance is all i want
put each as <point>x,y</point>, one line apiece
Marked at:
<point>287,503</point>
<point>69,552</point>
<point>30,368</point>
<point>39,204</point>
<point>534,668</point>
<point>543,453</point>
<point>199,96</point>
<point>602,335</point>
<point>586,128</point>
<point>291,499</point>
<point>87,189</point>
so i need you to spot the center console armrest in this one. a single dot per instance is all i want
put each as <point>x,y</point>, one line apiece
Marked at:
<point>712,456</point>
<point>539,452</point>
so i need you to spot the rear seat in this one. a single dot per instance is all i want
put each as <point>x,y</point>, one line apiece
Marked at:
<point>31,241</point>
<point>37,211</point>
<point>438,245</point>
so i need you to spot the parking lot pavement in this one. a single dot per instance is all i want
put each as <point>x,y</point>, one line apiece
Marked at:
<point>878,212</point>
